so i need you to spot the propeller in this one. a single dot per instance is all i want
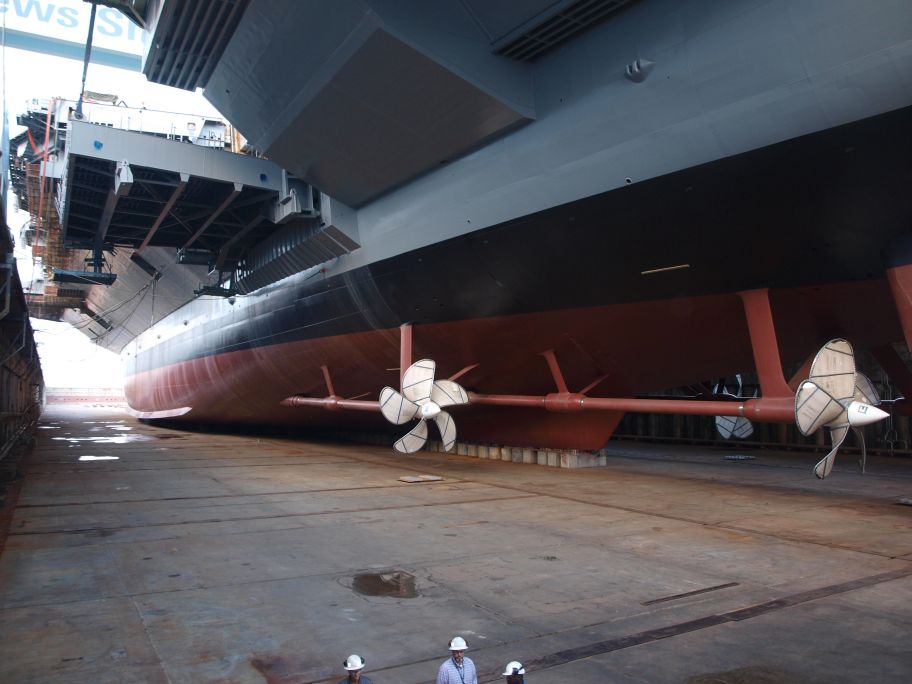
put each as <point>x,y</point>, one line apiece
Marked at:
<point>423,398</point>
<point>727,426</point>
<point>837,397</point>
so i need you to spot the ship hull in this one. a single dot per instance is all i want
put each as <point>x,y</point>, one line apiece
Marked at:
<point>815,220</point>
<point>636,348</point>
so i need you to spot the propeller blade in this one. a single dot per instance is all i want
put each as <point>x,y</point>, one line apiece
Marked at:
<point>864,454</point>
<point>725,425</point>
<point>864,390</point>
<point>825,465</point>
<point>815,407</point>
<point>396,408</point>
<point>418,381</point>
<point>833,369</point>
<point>743,428</point>
<point>414,440</point>
<point>447,427</point>
<point>448,393</point>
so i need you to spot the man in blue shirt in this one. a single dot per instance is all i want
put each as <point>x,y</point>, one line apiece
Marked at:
<point>354,664</point>
<point>457,669</point>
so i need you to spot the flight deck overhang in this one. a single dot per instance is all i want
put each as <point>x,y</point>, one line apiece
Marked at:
<point>185,40</point>
<point>361,99</point>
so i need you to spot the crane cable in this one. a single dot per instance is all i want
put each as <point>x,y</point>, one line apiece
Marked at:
<point>85,61</point>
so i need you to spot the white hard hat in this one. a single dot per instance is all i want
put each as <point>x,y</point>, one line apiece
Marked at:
<point>353,662</point>
<point>458,644</point>
<point>514,667</point>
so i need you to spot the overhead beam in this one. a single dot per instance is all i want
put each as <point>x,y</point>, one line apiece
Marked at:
<point>238,187</point>
<point>88,188</point>
<point>175,195</point>
<point>153,181</point>
<point>123,181</point>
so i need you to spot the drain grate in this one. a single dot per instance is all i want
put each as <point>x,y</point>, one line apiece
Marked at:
<point>689,593</point>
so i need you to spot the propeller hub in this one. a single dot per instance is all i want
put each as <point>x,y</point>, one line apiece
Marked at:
<point>429,410</point>
<point>864,414</point>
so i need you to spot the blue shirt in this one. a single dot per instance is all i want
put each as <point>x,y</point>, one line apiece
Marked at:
<point>363,680</point>
<point>450,674</point>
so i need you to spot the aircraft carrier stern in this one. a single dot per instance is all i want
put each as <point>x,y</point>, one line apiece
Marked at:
<point>147,554</point>
<point>554,222</point>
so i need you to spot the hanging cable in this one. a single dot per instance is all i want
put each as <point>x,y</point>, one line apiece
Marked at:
<point>85,61</point>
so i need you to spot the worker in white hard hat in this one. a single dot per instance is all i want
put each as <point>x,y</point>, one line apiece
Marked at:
<point>514,672</point>
<point>457,669</point>
<point>354,664</point>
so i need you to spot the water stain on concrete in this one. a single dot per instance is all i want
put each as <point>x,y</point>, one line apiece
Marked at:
<point>276,669</point>
<point>745,675</point>
<point>398,584</point>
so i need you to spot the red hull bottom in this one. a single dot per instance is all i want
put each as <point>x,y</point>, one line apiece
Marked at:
<point>638,348</point>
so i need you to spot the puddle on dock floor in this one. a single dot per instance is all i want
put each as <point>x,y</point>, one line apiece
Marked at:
<point>116,439</point>
<point>398,584</point>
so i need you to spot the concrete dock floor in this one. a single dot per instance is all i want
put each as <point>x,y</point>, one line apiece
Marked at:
<point>213,558</point>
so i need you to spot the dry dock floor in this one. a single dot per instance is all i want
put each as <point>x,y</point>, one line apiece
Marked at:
<point>199,557</point>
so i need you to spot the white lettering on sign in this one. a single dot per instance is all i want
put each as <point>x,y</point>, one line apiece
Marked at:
<point>69,20</point>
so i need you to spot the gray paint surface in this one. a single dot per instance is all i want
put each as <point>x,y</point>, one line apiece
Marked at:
<point>729,77</point>
<point>103,142</point>
<point>705,100</point>
<point>383,92</point>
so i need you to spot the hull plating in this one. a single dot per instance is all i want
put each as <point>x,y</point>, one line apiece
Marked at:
<point>813,219</point>
<point>641,347</point>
